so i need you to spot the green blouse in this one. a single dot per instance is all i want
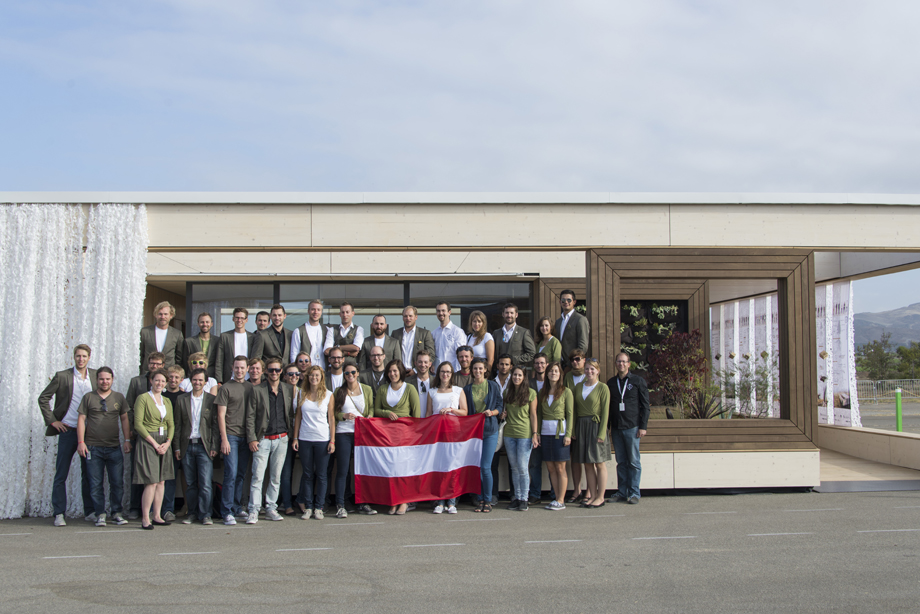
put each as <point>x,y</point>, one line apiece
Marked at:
<point>552,349</point>
<point>408,406</point>
<point>569,381</point>
<point>597,405</point>
<point>480,391</point>
<point>147,416</point>
<point>368,404</point>
<point>561,409</point>
<point>517,420</point>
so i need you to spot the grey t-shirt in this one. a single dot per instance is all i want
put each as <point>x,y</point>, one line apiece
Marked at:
<point>103,417</point>
<point>235,396</point>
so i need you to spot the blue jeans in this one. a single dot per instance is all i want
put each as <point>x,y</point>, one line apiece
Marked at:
<point>198,468</point>
<point>112,462</point>
<point>169,492</point>
<point>629,470</point>
<point>518,451</point>
<point>485,466</point>
<point>67,447</point>
<point>235,465</point>
<point>536,474</point>
<point>314,458</point>
<point>344,445</point>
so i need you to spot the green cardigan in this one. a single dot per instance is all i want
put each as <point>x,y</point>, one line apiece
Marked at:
<point>597,405</point>
<point>147,416</point>
<point>561,409</point>
<point>408,406</point>
<point>368,404</point>
<point>553,350</point>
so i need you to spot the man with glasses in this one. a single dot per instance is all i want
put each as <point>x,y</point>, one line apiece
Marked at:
<point>448,337</point>
<point>302,363</point>
<point>423,380</point>
<point>138,385</point>
<point>276,339</point>
<point>629,414</point>
<point>292,376</point>
<point>237,342</point>
<point>310,336</point>
<point>513,339</point>
<point>573,328</point>
<point>174,376</point>
<point>348,337</point>
<point>195,445</point>
<point>231,401</point>
<point>203,342</point>
<point>102,413</point>
<point>374,377</point>
<point>334,375</point>
<point>268,422</point>
<point>412,339</point>
<point>462,376</point>
<point>379,338</point>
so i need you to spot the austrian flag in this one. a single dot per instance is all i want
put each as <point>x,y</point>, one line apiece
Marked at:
<point>417,459</point>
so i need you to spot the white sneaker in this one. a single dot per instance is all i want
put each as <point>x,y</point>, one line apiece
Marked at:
<point>341,513</point>
<point>252,518</point>
<point>452,509</point>
<point>59,521</point>
<point>555,506</point>
<point>119,519</point>
<point>100,520</point>
<point>207,520</point>
<point>318,514</point>
<point>242,515</point>
<point>189,519</point>
<point>307,515</point>
<point>90,518</point>
<point>229,520</point>
<point>273,515</point>
<point>410,507</point>
<point>438,509</point>
<point>169,517</point>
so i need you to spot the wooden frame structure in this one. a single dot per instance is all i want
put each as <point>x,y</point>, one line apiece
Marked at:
<point>633,274</point>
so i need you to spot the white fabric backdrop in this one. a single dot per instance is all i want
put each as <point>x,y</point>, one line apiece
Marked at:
<point>54,296</point>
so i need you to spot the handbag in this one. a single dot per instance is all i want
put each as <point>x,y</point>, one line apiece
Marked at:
<point>501,437</point>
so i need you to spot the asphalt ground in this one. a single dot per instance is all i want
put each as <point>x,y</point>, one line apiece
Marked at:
<point>791,552</point>
<point>882,416</point>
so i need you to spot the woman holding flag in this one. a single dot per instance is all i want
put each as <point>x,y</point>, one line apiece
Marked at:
<point>446,400</point>
<point>397,400</point>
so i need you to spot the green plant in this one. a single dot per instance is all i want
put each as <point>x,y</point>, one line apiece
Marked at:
<point>706,404</point>
<point>640,333</point>
<point>622,327</point>
<point>753,385</point>
<point>662,311</point>
<point>629,349</point>
<point>641,322</point>
<point>679,368</point>
<point>632,309</point>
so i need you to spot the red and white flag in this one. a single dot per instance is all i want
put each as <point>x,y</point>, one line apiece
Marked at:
<point>413,459</point>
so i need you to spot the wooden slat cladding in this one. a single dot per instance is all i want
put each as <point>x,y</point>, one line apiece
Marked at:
<point>617,274</point>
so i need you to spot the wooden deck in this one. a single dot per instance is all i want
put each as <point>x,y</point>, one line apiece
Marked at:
<point>843,473</point>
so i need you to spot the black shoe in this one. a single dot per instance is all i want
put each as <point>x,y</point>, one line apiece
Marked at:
<point>618,498</point>
<point>522,507</point>
<point>161,524</point>
<point>534,501</point>
<point>515,504</point>
<point>149,527</point>
<point>633,500</point>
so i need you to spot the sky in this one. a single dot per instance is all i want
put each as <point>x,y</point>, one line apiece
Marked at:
<point>607,95</point>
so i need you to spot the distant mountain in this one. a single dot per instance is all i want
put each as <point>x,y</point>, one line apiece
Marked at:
<point>903,324</point>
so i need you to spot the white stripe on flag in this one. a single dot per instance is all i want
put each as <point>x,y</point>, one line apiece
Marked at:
<point>405,461</point>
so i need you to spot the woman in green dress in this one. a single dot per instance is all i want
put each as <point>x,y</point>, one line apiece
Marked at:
<point>395,400</point>
<point>590,444</point>
<point>547,342</point>
<point>153,422</point>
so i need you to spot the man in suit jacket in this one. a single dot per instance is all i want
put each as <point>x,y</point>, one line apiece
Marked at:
<point>205,343</point>
<point>161,337</point>
<point>276,339</point>
<point>195,445</point>
<point>423,380</point>
<point>412,339</point>
<point>310,336</point>
<point>237,342</point>
<point>379,338</point>
<point>68,387</point>
<point>573,328</point>
<point>269,418</point>
<point>629,414</point>
<point>513,339</point>
<point>374,377</point>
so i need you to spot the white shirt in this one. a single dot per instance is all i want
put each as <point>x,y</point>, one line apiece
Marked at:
<point>353,405</point>
<point>550,426</point>
<point>586,390</point>
<point>160,406</point>
<point>81,386</point>
<point>161,337</point>
<point>196,416</point>
<point>498,380</point>
<point>240,344</point>
<point>378,341</point>
<point>540,386</point>
<point>565,320</point>
<point>343,331</point>
<point>508,332</point>
<point>316,334</point>
<point>408,344</point>
<point>336,380</point>
<point>479,350</point>
<point>423,390</point>
<point>314,419</point>
<point>446,341</point>
<point>576,379</point>
<point>394,396</point>
<point>186,385</point>
<point>445,400</point>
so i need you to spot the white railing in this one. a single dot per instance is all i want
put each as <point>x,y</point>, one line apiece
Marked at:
<point>883,391</point>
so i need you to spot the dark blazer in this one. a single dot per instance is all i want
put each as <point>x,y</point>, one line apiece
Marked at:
<point>637,409</point>
<point>493,401</point>
<point>532,382</point>
<point>227,353</point>
<point>136,387</point>
<point>257,410</point>
<point>329,381</point>
<point>391,351</point>
<point>61,388</point>
<point>270,347</point>
<point>521,347</point>
<point>423,341</point>
<point>577,334</point>
<point>414,381</point>
<point>173,347</point>
<point>193,346</point>
<point>367,378</point>
<point>207,424</point>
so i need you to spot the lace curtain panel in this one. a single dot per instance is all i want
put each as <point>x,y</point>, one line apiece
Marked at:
<point>54,295</point>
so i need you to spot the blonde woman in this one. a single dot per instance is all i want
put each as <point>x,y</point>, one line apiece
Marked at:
<point>590,442</point>
<point>546,342</point>
<point>153,422</point>
<point>314,438</point>
<point>480,339</point>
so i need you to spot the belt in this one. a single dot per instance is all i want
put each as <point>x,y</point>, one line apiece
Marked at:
<point>276,436</point>
<point>194,439</point>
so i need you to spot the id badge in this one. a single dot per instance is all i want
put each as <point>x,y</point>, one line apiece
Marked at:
<point>622,408</point>
<point>161,428</point>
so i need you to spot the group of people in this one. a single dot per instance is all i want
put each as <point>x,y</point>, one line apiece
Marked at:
<point>258,399</point>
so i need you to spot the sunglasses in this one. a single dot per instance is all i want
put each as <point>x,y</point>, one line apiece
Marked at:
<point>350,372</point>
<point>576,359</point>
<point>273,370</point>
<point>303,360</point>
<point>199,362</point>
<point>292,374</point>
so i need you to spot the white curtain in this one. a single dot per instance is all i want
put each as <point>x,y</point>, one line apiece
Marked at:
<point>54,296</point>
